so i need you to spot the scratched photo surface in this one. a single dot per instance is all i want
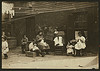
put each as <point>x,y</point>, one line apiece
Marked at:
<point>50,35</point>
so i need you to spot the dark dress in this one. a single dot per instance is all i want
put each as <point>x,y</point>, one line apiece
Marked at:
<point>24,44</point>
<point>43,46</point>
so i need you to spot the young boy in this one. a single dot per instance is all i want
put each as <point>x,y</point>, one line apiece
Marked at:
<point>70,48</point>
<point>5,48</point>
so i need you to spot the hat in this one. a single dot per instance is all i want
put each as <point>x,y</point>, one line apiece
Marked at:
<point>79,32</point>
<point>72,41</point>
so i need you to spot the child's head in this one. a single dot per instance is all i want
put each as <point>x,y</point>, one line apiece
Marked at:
<point>34,44</point>
<point>34,41</point>
<point>73,42</point>
<point>24,35</point>
<point>79,34</point>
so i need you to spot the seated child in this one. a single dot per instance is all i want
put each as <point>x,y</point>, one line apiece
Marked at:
<point>70,47</point>
<point>33,47</point>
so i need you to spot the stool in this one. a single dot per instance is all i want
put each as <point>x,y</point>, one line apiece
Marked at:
<point>30,54</point>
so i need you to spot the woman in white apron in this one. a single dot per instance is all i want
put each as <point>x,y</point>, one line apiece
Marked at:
<point>5,48</point>
<point>80,44</point>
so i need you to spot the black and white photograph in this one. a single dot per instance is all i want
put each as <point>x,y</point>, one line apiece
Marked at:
<point>50,35</point>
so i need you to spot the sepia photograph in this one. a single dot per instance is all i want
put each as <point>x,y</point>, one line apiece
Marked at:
<point>50,35</point>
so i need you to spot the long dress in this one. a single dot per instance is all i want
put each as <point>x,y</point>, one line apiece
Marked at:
<point>5,48</point>
<point>81,43</point>
<point>43,45</point>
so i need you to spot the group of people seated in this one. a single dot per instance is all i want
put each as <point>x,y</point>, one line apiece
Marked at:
<point>38,45</point>
<point>74,47</point>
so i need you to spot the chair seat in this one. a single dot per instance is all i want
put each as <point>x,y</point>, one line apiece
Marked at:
<point>58,50</point>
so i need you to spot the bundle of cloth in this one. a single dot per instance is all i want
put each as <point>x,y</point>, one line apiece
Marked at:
<point>34,48</point>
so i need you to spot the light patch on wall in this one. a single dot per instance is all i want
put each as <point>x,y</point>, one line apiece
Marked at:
<point>7,8</point>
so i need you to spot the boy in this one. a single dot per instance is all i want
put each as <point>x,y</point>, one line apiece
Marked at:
<point>5,48</point>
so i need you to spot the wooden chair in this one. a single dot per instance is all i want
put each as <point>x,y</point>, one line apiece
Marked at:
<point>58,50</point>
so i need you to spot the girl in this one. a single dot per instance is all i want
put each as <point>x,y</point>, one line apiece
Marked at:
<point>80,44</point>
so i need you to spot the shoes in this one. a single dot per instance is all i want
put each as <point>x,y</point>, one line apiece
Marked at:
<point>23,52</point>
<point>43,54</point>
<point>5,56</point>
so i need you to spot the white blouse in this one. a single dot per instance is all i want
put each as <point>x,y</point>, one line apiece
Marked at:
<point>58,41</point>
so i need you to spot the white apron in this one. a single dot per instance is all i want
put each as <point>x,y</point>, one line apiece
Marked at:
<point>58,41</point>
<point>80,45</point>
<point>33,46</point>
<point>5,48</point>
<point>70,49</point>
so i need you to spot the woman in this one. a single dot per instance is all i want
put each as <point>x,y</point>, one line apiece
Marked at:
<point>43,46</point>
<point>24,43</point>
<point>58,43</point>
<point>80,44</point>
<point>39,37</point>
<point>5,48</point>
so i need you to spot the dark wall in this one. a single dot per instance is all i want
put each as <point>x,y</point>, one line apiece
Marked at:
<point>52,19</point>
<point>19,27</point>
<point>24,26</point>
<point>30,29</point>
<point>93,28</point>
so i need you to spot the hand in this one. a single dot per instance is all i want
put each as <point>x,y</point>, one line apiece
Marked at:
<point>81,40</point>
<point>78,40</point>
<point>57,44</point>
